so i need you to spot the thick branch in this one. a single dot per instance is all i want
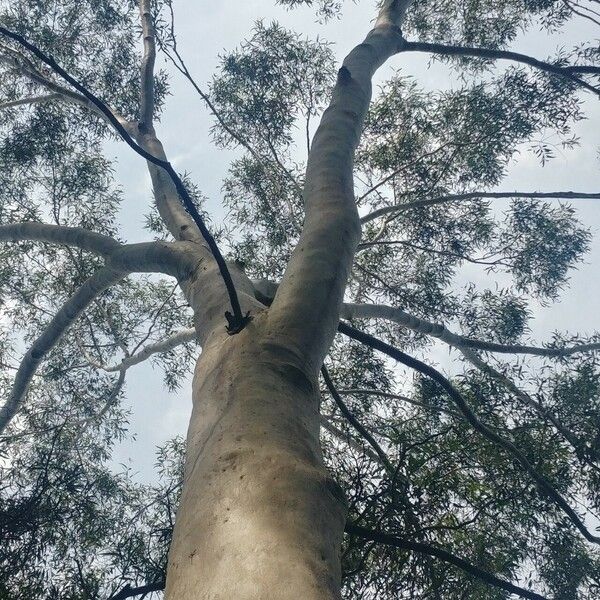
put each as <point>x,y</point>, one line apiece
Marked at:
<point>468,414</point>
<point>63,319</point>
<point>27,69</point>
<point>147,75</point>
<point>237,321</point>
<point>489,53</point>
<point>429,550</point>
<point>305,311</point>
<point>130,592</point>
<point>470,196</point>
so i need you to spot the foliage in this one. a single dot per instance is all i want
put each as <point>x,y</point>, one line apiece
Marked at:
<point>74,526</point>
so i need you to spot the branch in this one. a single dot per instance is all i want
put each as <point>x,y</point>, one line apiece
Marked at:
<point>129,592</point>
<point>172,53</point>
<point>305,311</point>
<point>81,423</point>
<point>27,69</point>
<point>439,331</point>
<point>577,445</point>
<point>53,332</point>
<point>399,397</point>
<point>429,550</point>
<point>147,75</point>
<point>470,196</point>
<point>503,55</point>
<point>59,234</point>
<point>29,100</point>
<point>472,419</point>
<point>346,438</point>
<point>362,431</point>
<point>383,459</point>
<point>237,321</point>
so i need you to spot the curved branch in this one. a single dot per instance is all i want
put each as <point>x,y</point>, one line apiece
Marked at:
<point>470,196</point>
<point>237,321</point>
<point>147,75</point>
<point>83,423</point>
<point>130,592</point>
<point>429,550</point>
<point>489,53</point>
<point>63,319</point>
<point>439,331</point>
<point>346,438</point>
<point>29,100</point>
<point>473,420</point>
<point>59,234</point>
<point>578,446</point>
<point>305,311</point>
<point>362,431</point>
<point>27,69</point>
<point>181,337</point>
<point>367,392</point>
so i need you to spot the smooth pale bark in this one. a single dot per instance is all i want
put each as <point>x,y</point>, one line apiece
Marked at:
<point>260,517</point>
<point>305,311</point>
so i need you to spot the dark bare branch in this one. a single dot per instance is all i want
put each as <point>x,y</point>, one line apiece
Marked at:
<point>491,54</point>
<point>429,550</point>
<point>543,484</point>
<point>397,208</point>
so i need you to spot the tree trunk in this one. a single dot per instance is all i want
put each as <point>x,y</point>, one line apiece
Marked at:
<point>259,517</point>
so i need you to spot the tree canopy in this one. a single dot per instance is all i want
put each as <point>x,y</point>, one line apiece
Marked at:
<point>459,485</point>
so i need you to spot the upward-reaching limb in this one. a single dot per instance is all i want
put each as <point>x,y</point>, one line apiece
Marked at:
<point>305,312</point>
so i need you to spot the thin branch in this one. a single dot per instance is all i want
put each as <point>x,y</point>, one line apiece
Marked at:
<point>429,550</point>
<point>237,321</point>
<point>29,100</point>
<point>59,234</point>
<point>577,445</point>
<point>52,333</point>
<point>407,244</point>
<point>473,195</point>
<point>181,337</point>
<point>491,54</point>
<point>346,438</point>
<point>383,459</point>
<point>473,420</point>
<point>398,170</point>
<point>172,53</point>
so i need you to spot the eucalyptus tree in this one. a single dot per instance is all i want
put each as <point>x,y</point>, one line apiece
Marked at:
<point>369,481</point>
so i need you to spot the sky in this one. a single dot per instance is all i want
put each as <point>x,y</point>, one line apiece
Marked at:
<point>207,29</point>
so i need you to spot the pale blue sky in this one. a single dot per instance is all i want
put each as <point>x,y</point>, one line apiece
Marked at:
<point>207,29</point>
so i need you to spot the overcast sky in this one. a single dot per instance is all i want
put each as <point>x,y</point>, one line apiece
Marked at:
<point>206,29</point>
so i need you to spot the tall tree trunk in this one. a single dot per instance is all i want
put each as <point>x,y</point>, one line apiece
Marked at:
<point>259,517</point>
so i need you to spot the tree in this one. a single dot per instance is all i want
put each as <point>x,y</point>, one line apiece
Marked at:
<point>476,485</point>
